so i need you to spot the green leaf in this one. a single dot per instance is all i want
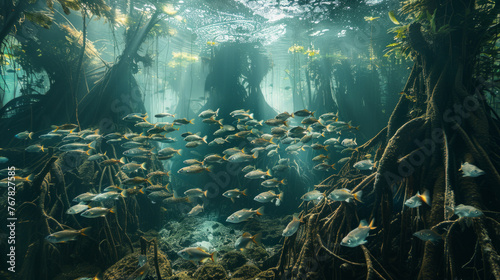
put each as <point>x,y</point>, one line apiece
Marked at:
<point>392,17</point>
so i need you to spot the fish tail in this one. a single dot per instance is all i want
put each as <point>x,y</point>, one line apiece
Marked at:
<point>55,127</point>
<point>286,123</point>
<point>224,157</point>
<point>209,168</point>
<point>284,182</point>
<point>425,197</point>
<point>271,141</point>
<point>260,123</point>
<point>357,196</point>
<point>113,209</point>
<point>30,135</point>
<point>333,166</point>
<point>178,151</point>
<point>30,178</point>
<point>244,192</point>
<point>124,193</point>
<point>41,147</point>
<point>257,239</point>
<point>84,231</point>
<point>268,173</point>
<point>191,121</point>
<point>141,190</point>
<point>92,145</point>
<point>260,211</point>
<point>204,139</point>
<point>371,224</point>
<point>292,115</point>
<point>255,155</point>
<point>217,112</point>
<point>212,257</point>
<point>280,196</point>
<point>166,187</point>
<point>143,166</point>
<point>325,147</point>
<point>220,122</point>
<point>312,113</point>
<point>149,182</point>
<point>205,193</point>
<point>122,160</point>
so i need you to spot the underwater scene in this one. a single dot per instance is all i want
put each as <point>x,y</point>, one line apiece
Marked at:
<point>249,139</point>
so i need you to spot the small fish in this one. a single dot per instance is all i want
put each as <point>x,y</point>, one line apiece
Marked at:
<point>66,235</point>
<point>469,170</point>
<point>332,141</point>
<point>96,157</point>
<point>276,122</point>
<point>196,210</point>
<point>135,117</point>
<point>113,161</point>
<point>208,113</point>
<point>366,164</point>
<point>192,162</point>
<point>272,183</point>
<point>320,157</point>
<point>160,195</point>
<point>193,144</point>
<point>98,212</point>
<point>137,152</point>
<point>309,120</point>
<point>24,135</point>
<point>329,116</point>
<point>466,211</point>
<point>324,166</point>
<point>257,174</point>
<point>218,141</point>
<point>317,146</point>
<point>196,193</point>
<point>49,136</point>
<point>194,169</point>
<point>248,168</point>
<point>169,151</point>
<point>244,214</point>
<point>244,240</point>
<point>292,227</point>
<point>345,195</point>
<point>234,193</point>
<point>136,181</point>
<point>173,200</point>
<point>195,137</point>
<point>213,159</point>
<point>349,143</point>
<point>131,167</point>
<point>313,196</point>
<point>114,135</point>
<point>84,197</point>
<point>183,121</point>
<point>269,196</point>
<point>113,189</point>
<point>162,115</point>
<point>358,235</point>
<point>77,209</point>
<point>35,149</point>
<point>112,195</point>
<point>254,123</point>
<point>67,126</point>
<point>77,146</point>
<point>131,145</point>
<point>241,157</point>
<point>428,235</point>
<point>195,254</point>
<point>283,116</point>
<point>303,113</point>
<point>3,159</point>
<point>158,173</point>
<point>416,200</point>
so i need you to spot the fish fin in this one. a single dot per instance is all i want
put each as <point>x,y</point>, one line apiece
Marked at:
<point>205,193</point>
<point>232,199</point>
<point>30,135</point>
<point>325,147</point>
<point>371,224</point>
<point>292,115</point>
<point>224,157</point>
<point>143,166</point>
<point>286,123</point>
<point>212,257</point>
<point>312,113</point>
<point>113,209</point>
<point>142,190</point>
<point>425,197</point>
<point>178,151</point>
<point>204,139</point>
<point>363,223</point>
<point>280,196</point>
<point>191,121</point>
<point>255,155</point>
<point>124,193</point>
<point>257,239</point>
<point>268,173</point>
<point>209,168</point>
<point>122,160</point>
<point>244,192</point>
<point>260,211</point>
<point>30,178</point>
<point>357,196</point>
<point>84,231</point>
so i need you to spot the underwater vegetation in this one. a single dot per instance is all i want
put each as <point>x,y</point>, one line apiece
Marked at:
<point>249,139</point>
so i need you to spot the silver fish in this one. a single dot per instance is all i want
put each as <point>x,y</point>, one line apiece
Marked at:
<point>292,227</point>
<point>358,235</point>
<point>66,235</point>
<point>244,215</point>
<point>416,200</point>
<point>470,170</point>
